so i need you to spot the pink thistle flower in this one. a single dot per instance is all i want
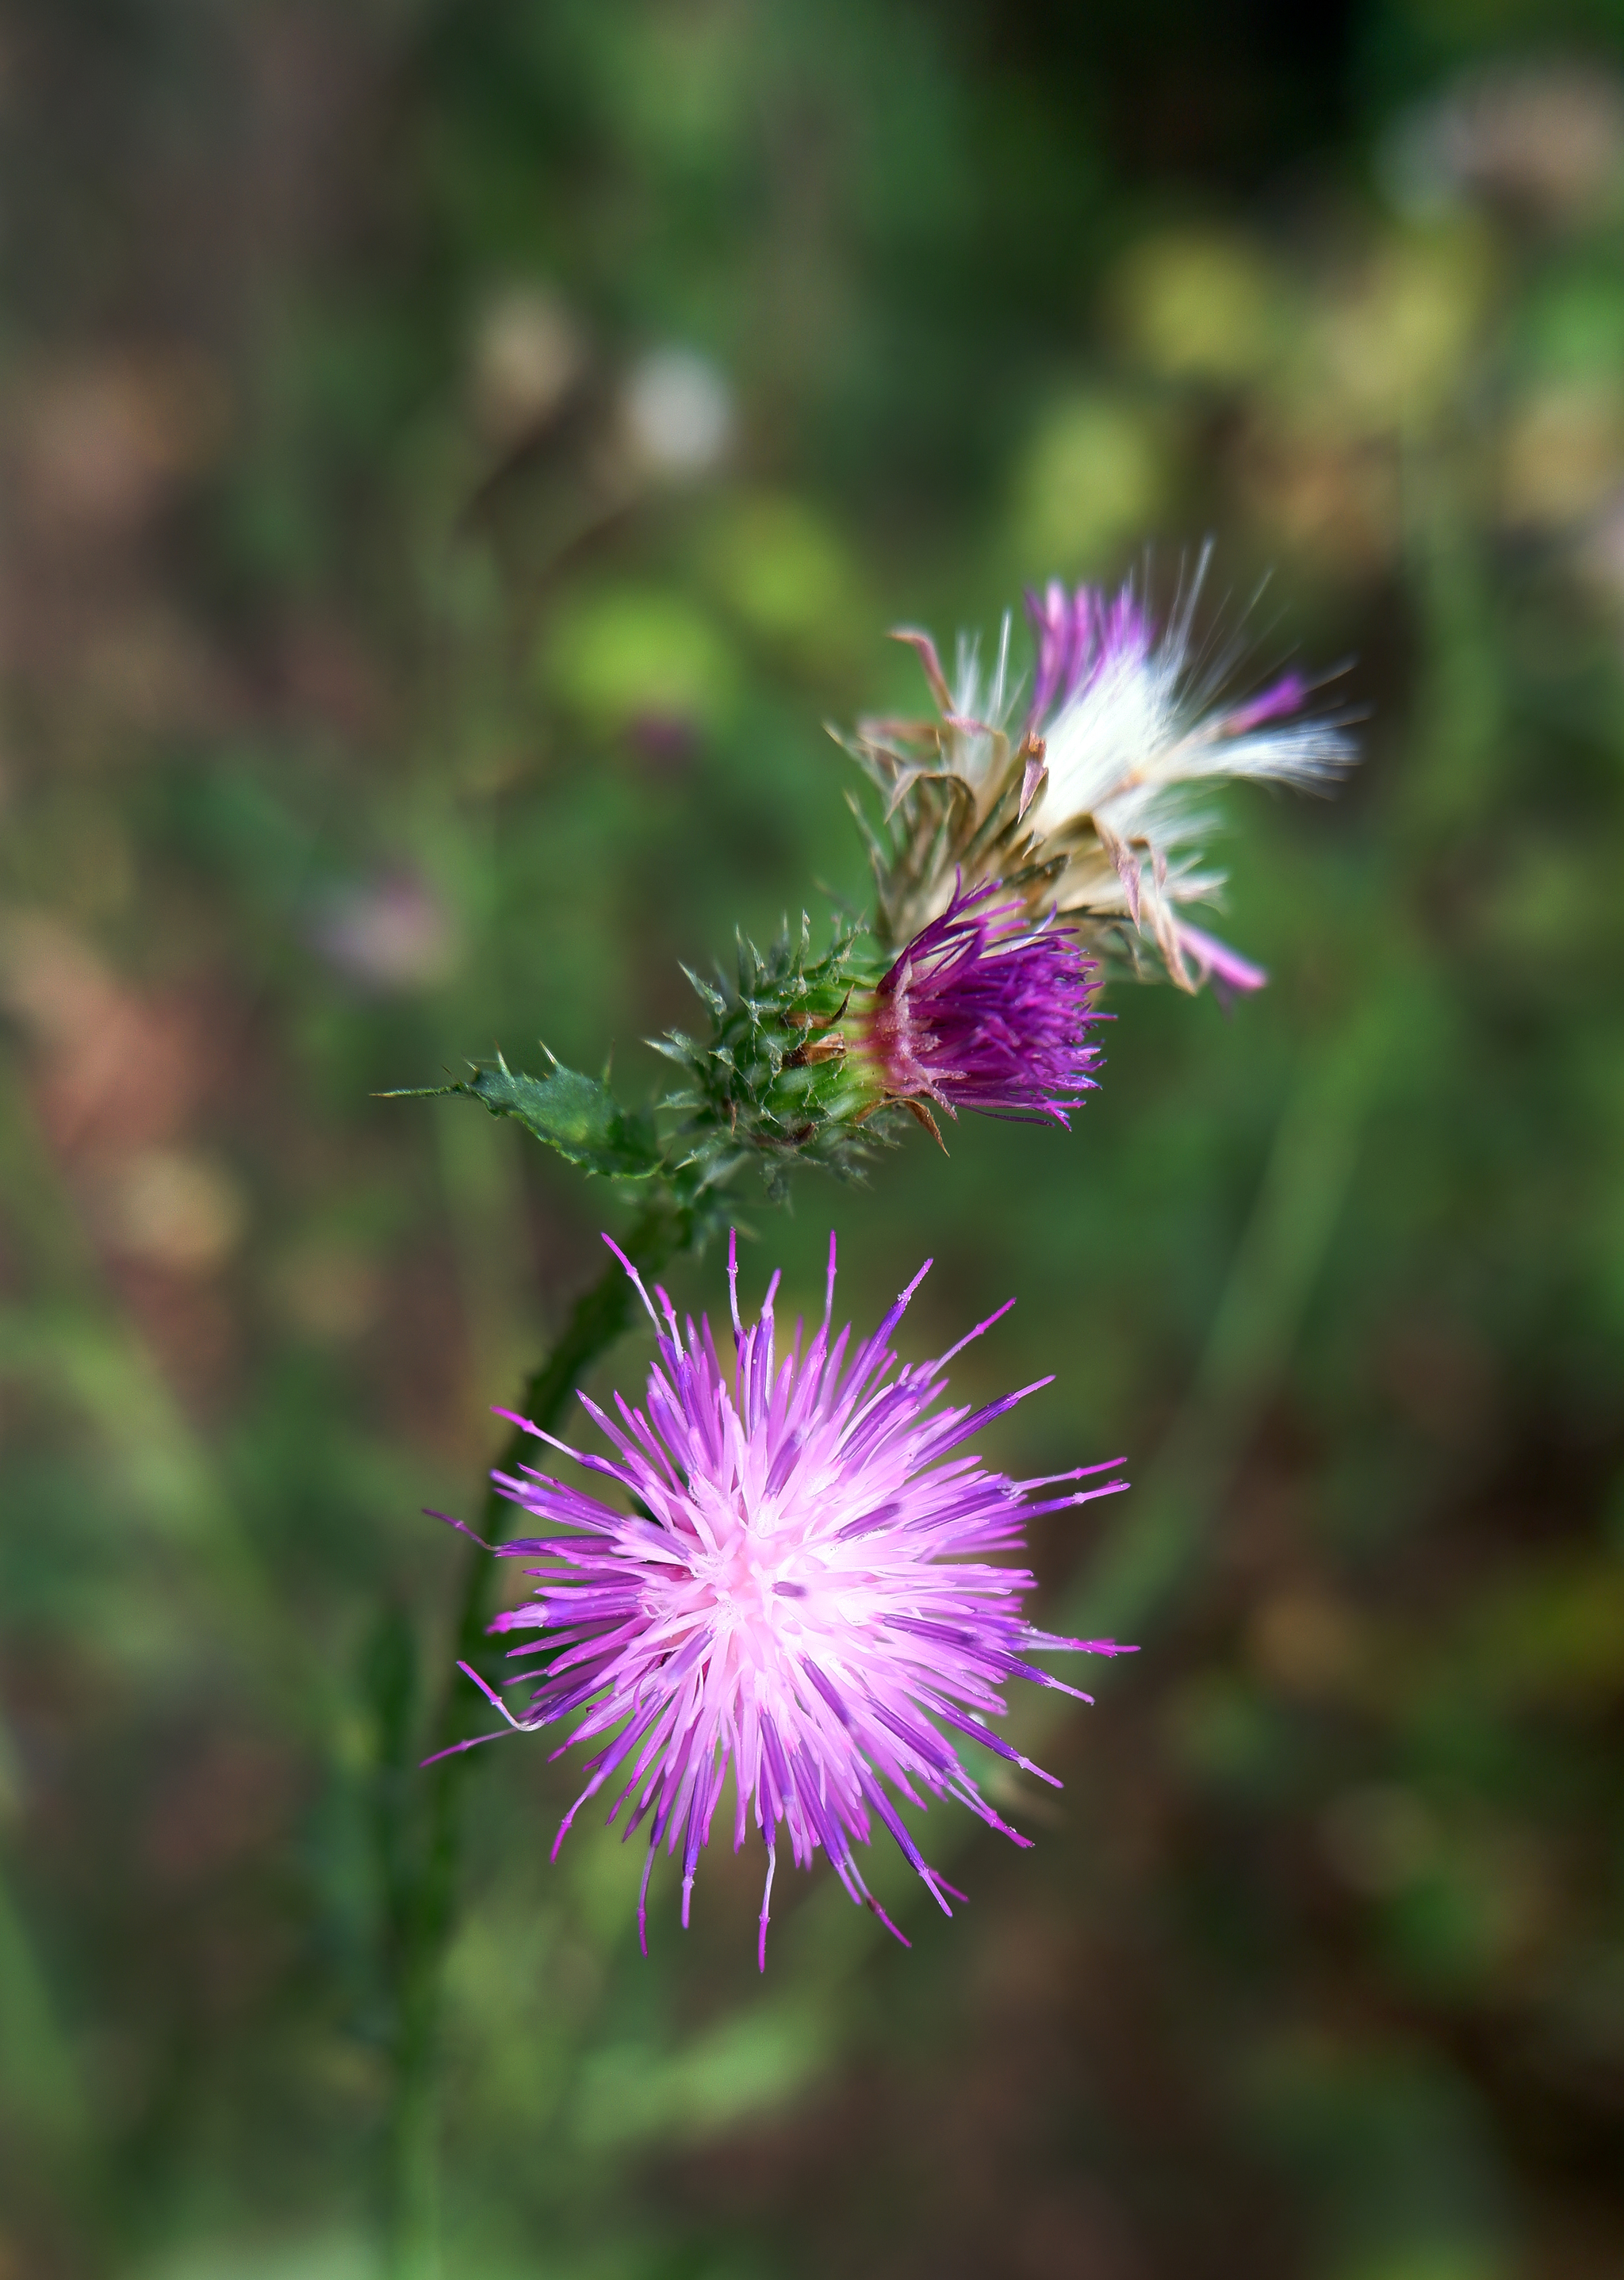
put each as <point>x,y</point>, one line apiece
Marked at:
<point>984,1010</point>
<point>801,1593</point>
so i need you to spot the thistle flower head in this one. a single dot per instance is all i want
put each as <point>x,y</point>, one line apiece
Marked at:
<point>810,1060</point>
<point>770,1081</point>
<point>801,1593</point>
<point>1096,805</point>
<point>983,1010</point>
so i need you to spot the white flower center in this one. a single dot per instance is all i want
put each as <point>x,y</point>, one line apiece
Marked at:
<point>753,1580</point>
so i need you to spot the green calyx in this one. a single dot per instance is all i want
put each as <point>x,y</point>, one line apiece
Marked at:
<point>777,1081</point>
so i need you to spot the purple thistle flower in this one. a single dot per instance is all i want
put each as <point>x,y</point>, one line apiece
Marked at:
<point>801,1593</point>
<point>984,1010</point>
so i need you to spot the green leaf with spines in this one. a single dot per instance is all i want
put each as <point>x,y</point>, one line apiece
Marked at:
<point>577,1115</point>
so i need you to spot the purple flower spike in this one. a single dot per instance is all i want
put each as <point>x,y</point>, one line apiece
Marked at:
<point>983,1010</point>
<point>1281,698</point>
<point>1230,973</point>
<point>801,1593</point>
<point>1079,637</point>
<point>1063,629</point>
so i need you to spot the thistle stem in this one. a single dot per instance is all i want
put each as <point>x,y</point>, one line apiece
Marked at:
<point>423,1890</point>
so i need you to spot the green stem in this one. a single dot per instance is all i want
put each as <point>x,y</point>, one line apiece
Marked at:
<point>422,1905</point>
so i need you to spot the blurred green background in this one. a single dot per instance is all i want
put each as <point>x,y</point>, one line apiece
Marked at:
<point>456,456</point>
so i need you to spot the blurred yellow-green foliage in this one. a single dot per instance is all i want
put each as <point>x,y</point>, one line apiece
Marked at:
<point>457,454</point>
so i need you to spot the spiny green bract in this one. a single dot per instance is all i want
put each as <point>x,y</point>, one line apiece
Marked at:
<point>774,1081</point>
<point>578,1116</point>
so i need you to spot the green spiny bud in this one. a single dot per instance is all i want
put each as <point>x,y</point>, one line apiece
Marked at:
<point>775,1080</point>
